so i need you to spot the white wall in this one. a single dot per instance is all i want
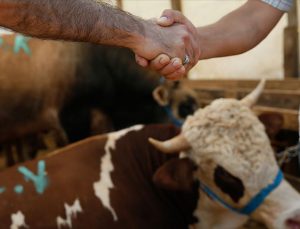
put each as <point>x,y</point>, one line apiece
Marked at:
<point>146,8</point>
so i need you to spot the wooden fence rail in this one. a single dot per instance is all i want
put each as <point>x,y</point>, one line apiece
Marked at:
<point>279,96</point>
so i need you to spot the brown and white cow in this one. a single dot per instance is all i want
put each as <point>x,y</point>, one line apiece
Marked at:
<point>236,167</point>
<point>71,188</point>
<point>102,182</point>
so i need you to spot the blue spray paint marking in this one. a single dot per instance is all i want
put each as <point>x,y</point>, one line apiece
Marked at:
<point>19,189</point>
<point>4,46</point>
<point>40,180</point>
<point>1,41</point>
<point>21,42</point>
<point>2,190</point>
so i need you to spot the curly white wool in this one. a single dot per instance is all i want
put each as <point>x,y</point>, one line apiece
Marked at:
<point>229,134</point>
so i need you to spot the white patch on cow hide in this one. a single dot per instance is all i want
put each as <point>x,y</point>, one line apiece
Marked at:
<point>5,31</point>
<point>103,186</point>
<point>18,220</point>
<point>71,212</point>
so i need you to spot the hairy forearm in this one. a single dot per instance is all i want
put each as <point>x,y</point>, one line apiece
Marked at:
<point>239,31</point>
<point>78,20</point>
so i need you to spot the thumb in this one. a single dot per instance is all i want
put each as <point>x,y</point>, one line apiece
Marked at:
<point>170,17</point>
<point>165,21</point>
<point>141,61</point>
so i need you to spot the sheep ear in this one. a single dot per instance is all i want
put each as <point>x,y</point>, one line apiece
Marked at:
<point>161,95</point>
<point>176,175</point>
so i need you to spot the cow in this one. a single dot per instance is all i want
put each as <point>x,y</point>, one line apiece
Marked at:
<point>132,185</point>
<point>73,90</point>
<point>109,85</point>
<point>236,168</point>
<point>104,181</point>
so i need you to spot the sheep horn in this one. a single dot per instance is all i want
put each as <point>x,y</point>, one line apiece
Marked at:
<point>173,145</point>
<point>252,98</point>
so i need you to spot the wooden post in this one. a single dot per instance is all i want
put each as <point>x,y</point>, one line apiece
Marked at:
<point>298,10</point>
<point>291,44</point>
<point>120,4</point>
<point>176,5</point>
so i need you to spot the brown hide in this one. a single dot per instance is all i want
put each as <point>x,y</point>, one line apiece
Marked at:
<point>31,89</point>
<point>89,89</point>
<point>72,171</point>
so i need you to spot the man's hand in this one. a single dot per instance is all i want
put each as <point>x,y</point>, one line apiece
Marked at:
<point>168,65</point>
<point>171,41</point>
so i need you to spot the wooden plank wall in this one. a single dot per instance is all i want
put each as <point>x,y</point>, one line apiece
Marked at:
<point>279,96</point>
<point>120,4</point>
<point>176,5</point>
<point>291,44</point>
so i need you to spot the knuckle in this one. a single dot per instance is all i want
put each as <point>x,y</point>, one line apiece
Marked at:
<point>167,12</point>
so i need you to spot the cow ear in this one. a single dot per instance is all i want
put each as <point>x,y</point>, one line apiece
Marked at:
<point>161,95</point>
<point>176,175</point>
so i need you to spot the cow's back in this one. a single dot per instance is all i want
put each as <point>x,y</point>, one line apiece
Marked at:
<point>105,180</point>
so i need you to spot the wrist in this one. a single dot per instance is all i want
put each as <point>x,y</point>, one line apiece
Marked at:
<point>202,43</point>
<point>206,41</point>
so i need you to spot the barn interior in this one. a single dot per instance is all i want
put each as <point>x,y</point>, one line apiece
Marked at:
<point>56,93</point>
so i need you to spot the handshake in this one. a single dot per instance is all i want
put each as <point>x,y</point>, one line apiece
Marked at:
<point>170,45</point>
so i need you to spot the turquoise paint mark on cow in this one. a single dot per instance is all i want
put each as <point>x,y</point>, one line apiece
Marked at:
<point>1,41</point>
<point>19,189</point>
<point>40,180</point>
<point>2,190</point>
<point>21,43</point>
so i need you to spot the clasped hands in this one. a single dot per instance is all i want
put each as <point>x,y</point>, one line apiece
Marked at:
<point>170,46</point>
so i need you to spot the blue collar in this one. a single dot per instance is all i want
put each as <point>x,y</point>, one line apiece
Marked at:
<point>168,110</point>
<point>174,120</point>
<point>254,203</point>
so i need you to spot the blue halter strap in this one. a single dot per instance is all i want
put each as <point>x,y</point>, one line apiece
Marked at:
<point>254,203</point>
<point>174,120</point>
<point>168,110</point>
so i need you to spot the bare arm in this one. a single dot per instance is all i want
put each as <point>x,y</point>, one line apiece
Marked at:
<point>92,21</point>
<point>79,20</point>
<point>238,31</point>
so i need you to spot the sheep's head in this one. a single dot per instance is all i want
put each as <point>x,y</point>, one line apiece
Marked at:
<point>231,150</point>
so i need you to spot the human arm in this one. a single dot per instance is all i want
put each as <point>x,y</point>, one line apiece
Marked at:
<point>239,31</point>
<point>92,21</point>
<point>235,33</point>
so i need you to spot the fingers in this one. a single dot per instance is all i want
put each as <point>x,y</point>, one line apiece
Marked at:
<point>170,69</point>
<point>190,39</point>
<point>164,21</point>
<point>159,62</point>
<point>178,74</point>
<point>177,40</point>
<point>169,17</point>
<point>141,61</point>
<point>174,65</point>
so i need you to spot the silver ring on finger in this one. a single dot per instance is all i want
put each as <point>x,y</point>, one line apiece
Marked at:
<point>186,60</point>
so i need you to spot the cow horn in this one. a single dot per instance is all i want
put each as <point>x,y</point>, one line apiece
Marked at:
<point>173,145</point>
<point>252,98</point>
